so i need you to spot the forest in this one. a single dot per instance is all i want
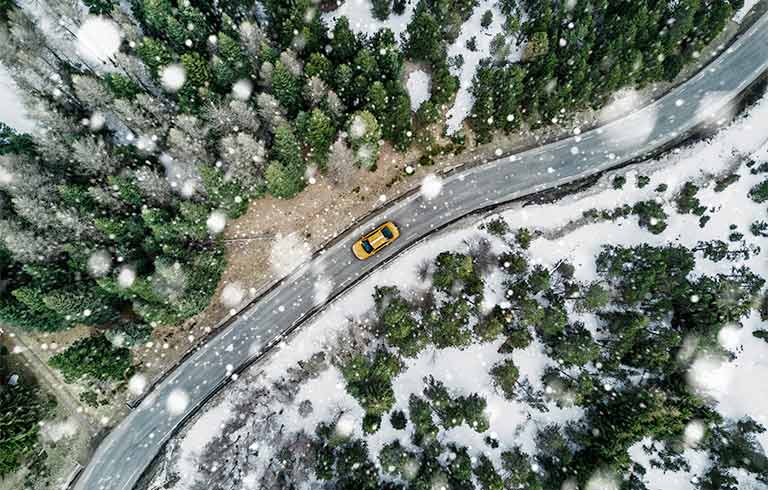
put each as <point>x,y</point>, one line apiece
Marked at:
<point>112,211</point>
<point>628,375</point>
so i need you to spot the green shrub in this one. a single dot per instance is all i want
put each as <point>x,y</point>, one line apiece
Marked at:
<point>93,357</point>
<point>24,407</point>
<point>398,419</point>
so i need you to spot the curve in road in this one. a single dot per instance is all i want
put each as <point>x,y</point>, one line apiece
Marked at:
<point>131,446</point>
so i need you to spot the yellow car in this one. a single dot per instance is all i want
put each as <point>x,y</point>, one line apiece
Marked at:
<point>375,240</point>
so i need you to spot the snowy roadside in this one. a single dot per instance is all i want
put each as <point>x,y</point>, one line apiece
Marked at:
<point>467,369</point>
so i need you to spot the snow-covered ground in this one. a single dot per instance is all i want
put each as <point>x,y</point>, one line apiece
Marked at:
<point>462,106</point>
<point>744,10</point>
<point>731,384</point>
<point>12,110</point>
<point>361,17</point>
<point>418,88</point>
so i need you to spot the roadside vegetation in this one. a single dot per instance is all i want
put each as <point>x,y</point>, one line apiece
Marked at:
<point>25,406</point>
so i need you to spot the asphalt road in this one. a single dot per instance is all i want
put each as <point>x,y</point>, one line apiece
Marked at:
<point>131,446</point>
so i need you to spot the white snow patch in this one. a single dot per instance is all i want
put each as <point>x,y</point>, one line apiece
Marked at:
<point>644,120</point>
<point>137,384</point>
<point>657,478</point>
<point>126,277</point>
<point>694,433</point>
<point>205,429</point>
<point>242,89</point>
<point>12,111</point>
<point>709,374</point>
<point>216,222</point>
<point>232,294</point>
<point>361,19</point>
<point>177,402</point>
<point>358,128</point>
<point>418,88</point>
<point>99,263</point>
<point>323,289</point>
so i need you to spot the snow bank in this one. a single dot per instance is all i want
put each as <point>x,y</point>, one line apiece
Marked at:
<point>205,429</point>
<point>418,88</point>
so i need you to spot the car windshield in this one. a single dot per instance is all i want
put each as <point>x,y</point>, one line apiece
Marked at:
<point>367,246</point>
<point>387,233</point>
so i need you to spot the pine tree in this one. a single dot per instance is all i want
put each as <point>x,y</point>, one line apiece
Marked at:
<point>25,406</point>
<point>287,89</point>
<point>505,374</point>
<point>344,44</point>
<point>364,135</point>
<point>92,357</point>
<point>381,8</point>
<point>285,175</point>
<point>424,39</point>
<point>320,134</point>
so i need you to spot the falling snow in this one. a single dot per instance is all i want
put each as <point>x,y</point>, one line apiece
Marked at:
<point>173,77</point>
<point>431,186</point>
<point>98,39</point>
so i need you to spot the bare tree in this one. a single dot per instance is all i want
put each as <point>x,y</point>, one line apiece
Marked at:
<point>270,110</point>
<point>245,157</point>
<point>342,164</point>
<point>236,115</point>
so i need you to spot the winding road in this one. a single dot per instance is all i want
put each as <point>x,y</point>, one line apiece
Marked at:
<point>130,447</point>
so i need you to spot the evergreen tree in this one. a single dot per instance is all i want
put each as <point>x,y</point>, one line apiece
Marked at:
<point>93,357</point>
<point>320,134</point>
<point>381,8</point>
<point>505,375</point>
<point>424,36</point>
<point>365,135</point>
<point>287,89</point>
<point>25,407</point>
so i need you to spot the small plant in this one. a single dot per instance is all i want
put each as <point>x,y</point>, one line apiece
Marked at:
<point>497,227</point>
<point>398,419</point>
<point>687,202</point>
<point>523,237</point>
<point>723,183</point>
<point>642,181</point>
<point>618,182</point>
<point>651,216</point>
<point>371,423</point>
<point>487,19</point>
